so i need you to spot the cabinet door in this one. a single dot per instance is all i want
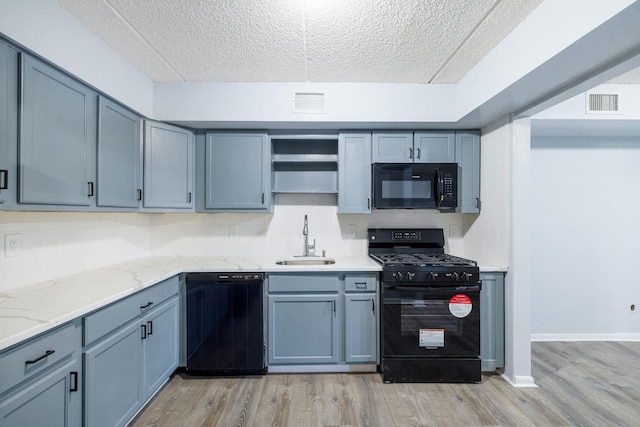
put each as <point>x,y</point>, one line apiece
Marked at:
<point>168,166</point>
<point>237,171</point>
<point>303,329</point>
<point>468,159</point>
<point>55,400</point>
<point>354,173</point>
<point>112,378</point>
<point>160,346</point>
<point>119,172</point>
<point>396,147</point>
<point>492,321</point>
<point>8,125</point>
<point>57,137</point>
<point>361,337</point>
<point>434,147</point>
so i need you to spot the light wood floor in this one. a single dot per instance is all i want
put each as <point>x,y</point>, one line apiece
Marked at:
<point>579,384</point>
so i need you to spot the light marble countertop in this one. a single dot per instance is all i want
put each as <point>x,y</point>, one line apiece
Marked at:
<point>28,311</point>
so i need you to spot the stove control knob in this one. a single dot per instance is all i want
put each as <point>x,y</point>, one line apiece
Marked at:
<point>410,275</point>
<point>464,277</point>
<point>431,276</point>
<point>454,276</point>
<point>397,275</point>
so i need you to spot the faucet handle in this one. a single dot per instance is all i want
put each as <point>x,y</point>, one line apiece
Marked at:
<point>312,248</point>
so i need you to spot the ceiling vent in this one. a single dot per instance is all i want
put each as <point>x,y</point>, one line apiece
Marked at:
<point>603,103</point>
<point>309,102</point>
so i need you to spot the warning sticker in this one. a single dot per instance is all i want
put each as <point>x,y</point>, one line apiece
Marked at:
<point>460,305</point>
<point>431,337</point>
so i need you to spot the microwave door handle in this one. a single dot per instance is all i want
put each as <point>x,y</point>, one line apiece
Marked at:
<point>439,188</point>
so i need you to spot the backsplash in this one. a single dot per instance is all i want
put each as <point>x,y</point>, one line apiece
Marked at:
<point>56,244</point>
<point>280,233</point>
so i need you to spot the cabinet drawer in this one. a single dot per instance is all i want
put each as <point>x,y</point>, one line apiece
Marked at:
<point>27,360</point>
<point>109,318</point>
<point>303,283</point>
<point>361,282</point>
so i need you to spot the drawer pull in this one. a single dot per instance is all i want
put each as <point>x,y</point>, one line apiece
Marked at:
<point>147,305</point>
<point>361,285</point>
<point>74,381</point>
<point>46,354</point>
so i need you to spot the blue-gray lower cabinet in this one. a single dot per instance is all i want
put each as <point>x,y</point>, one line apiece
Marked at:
<point>354,172</point>
<point>161,346</point>
<point>112,374</point>
<point>303,329</point>
<point>42,381</point>
<point>131,349</point>
<point>127,367</point>
<point>361,331</point>
<point>492,320</point>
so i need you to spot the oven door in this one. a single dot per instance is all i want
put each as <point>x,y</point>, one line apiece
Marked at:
<point>427,321</point>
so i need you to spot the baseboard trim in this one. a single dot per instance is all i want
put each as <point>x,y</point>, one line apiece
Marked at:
<point>584,337</point>
<point>520,381</point>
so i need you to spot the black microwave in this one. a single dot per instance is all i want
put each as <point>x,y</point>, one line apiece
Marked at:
<point>415,185</point>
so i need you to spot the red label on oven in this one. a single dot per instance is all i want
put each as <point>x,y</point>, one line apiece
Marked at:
<point>460,305</point>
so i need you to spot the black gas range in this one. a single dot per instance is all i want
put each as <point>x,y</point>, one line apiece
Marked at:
<point>430,312</point>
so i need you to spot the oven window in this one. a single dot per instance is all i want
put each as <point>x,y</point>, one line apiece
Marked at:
<point>416,315</point>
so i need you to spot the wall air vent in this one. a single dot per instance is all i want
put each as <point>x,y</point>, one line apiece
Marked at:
<point>603,103</point>
<point>309,102</point>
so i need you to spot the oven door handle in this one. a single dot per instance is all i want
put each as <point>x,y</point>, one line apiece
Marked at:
<point>466,288</point>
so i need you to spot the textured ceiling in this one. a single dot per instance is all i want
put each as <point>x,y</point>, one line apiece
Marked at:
<point>377,41</point>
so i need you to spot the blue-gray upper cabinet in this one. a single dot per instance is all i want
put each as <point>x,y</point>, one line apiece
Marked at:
<point>57,137</point>
<point>237,172</point>
<point>8,125</point>
<point>407,147</point>
<point>168,166</point>
<point>354,172</point>
<point>433,147</point>
<point>392,147</point>
<point>468,159</point>
<point>119,156</point>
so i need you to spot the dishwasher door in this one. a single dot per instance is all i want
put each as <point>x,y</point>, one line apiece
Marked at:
<point>224,324</point>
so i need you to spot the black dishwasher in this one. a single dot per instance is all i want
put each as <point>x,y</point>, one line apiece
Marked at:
<point>224,324</point>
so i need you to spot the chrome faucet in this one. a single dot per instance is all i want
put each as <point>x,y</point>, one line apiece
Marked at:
<point>309,250</point>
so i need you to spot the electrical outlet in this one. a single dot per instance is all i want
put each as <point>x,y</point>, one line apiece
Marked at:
<point>351,231</point>
<point>454,231</point>
<point>233,231</point>
<point>12,245</point>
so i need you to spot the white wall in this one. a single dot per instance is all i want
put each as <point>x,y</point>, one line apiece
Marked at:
<point>585,237</point>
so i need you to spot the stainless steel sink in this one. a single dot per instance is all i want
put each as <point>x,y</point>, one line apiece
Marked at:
<point>307,261</point>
